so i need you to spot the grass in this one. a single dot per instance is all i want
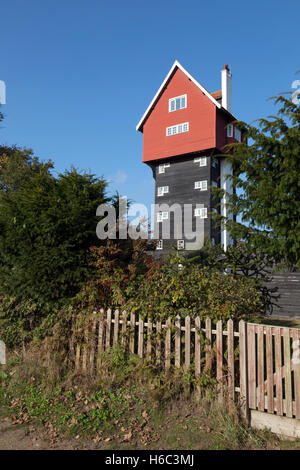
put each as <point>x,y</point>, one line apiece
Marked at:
<point>129,405</point>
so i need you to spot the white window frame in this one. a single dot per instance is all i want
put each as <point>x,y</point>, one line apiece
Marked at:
<point>161,190</point>
<point>162,167</point>
<point>201,160</point>
<point>160,245</point>
<point>173,100</point>
<point>230,130</point>
<point>202,185</point>
<point>177,129</point>
<point>180,244</point>
<point>237,134</point>
<point>201,212</point>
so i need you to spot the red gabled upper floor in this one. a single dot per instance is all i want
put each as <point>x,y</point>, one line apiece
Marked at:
<point>183,118</point>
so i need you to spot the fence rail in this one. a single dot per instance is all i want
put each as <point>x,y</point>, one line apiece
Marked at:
<point>260,364</point>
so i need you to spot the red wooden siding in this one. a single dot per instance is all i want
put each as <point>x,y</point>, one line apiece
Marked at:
<point>200,113</point>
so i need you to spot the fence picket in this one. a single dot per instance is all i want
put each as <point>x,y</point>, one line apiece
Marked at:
<point>260,369</point>
<point>168,344</point>
<point>287,372</point>
<point>251,365</point>
<point>141,338</point>
<point>208,358</point>
<point>243,369</point>
<point>187,343</point>
<point>197,346</point>
<point>92,350</point>
<point>149,343</point>
<point>296,367</point>
<point>270,373</point>
<point>100,337</point>
<point>108,329</point>
<point>158,339</point>
<point>132,333</point>
<point>116,328</point>
<point>77,357</point>
<point>220,354</point>
<point>177,341</point>
<point>84,349</point>
<point>230,346</point>
<point>278,369</point>
<point>124,328</point>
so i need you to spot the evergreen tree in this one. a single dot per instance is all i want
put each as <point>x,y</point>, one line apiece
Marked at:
<point>266,176</point>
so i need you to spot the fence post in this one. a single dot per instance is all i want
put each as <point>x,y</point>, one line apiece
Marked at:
<point>2,353</point>
<point>244,371</point>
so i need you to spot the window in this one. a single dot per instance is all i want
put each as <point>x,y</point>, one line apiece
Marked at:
<point>201,160</point>
<point>161,168</point>
<point>180,244</point>
<point>237,134</point>
<point>202,185</point>
<point>214,183</point>
<point>162,216</point>
<point>179,102</point>
<point>230,130</point>
<point>178,129</point>
<point>162,190</point>
<point>201,212</point>
<point>159,245</point>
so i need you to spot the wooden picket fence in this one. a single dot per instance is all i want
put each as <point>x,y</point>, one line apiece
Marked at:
<point>257,364</point>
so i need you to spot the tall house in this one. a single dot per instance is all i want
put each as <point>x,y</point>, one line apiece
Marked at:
<point>185,128</point>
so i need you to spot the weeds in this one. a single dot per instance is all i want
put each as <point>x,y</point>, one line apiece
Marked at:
<point>129,404</point>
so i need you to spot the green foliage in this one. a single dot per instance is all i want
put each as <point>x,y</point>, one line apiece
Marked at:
<point>119,266</point>
<point>179,287</point>
<point>47,226</point>
<point>137,283</point>
<point>267,167</point>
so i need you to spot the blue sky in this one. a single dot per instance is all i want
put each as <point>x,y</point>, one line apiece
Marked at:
<point>80,74</point>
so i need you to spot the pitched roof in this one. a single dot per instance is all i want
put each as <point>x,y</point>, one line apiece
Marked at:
<point>174,67</point>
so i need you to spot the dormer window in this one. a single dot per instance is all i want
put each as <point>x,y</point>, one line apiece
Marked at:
<point>177,129</point>
<point>179,102</point>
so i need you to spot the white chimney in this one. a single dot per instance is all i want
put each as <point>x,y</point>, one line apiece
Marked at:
<point>226,88</point>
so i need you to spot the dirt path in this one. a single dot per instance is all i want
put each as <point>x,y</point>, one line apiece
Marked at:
<point>25,437</point>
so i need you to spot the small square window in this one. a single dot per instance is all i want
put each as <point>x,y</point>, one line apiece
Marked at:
<point>162,190</point>
<point>201,160</point>
<point>202,185</point>
<point>180,244</point>
<point>159,245</point>
<point>201,212</point>
<point>162,167</point>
